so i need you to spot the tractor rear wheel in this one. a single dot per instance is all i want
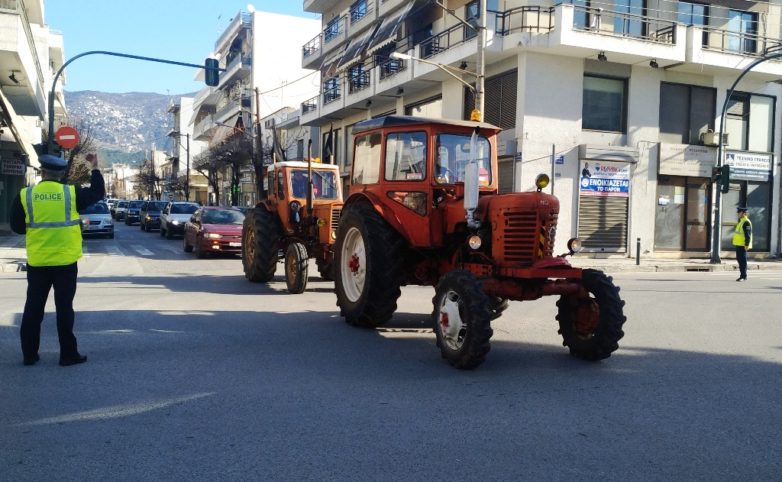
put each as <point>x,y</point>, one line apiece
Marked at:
<point>462,319</point>
<point>592,327</point>
<point>260,245</point>
<point>296,268</point>
<point>367,267</point>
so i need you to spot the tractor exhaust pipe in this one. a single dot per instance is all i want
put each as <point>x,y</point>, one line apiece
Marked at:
<point>471,174</point>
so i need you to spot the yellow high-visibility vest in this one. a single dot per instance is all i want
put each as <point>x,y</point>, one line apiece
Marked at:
<point>52,224</point>
<point>738,234</point>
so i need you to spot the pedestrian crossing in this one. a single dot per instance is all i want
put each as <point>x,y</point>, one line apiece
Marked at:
<point>105,249</point>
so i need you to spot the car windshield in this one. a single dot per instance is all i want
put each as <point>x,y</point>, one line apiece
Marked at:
<point>227,216</point>
<point>122,204</point>
<point>97,208</point>
<point>453,155</point>
<point>135,204</point>
<point>183,208</point>
<point>156,206</point>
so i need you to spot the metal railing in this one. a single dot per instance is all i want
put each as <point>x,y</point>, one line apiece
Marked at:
<point>738,42</point>
<point>621,24</point>
<point>334,30</point>
<point>444,40</point>
<point>357,14</point>
<point>203,125</point>
<point>332,94</point>
<point>17,6</point>
<point>524,19</point>
<point>391,67</point>
<point>245,20</point>
<point>309,105</point>
<point>358,82</point>
<point>311,47</point>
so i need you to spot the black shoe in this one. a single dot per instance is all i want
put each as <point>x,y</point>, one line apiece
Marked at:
<point>741,278</point>
<point>31,360</point>
<point>66,362</point>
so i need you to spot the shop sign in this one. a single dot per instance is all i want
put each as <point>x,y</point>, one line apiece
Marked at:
<point>749,166</point>
<point>13,167</point>
<point>686,160</point>
<point>605,179</point>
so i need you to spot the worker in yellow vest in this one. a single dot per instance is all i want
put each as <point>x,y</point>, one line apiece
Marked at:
<point>742,240</point>
<point>47,214</point>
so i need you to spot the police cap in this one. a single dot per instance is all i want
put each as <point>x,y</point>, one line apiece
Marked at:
<point>741,209</point>
<point>52,163</point>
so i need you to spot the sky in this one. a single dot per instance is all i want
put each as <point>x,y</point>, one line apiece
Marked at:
<point>180,30</point>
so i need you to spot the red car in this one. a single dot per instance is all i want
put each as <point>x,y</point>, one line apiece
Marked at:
<point>214,229</point>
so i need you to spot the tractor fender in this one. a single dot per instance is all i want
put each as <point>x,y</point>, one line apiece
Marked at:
<point>387,214</point>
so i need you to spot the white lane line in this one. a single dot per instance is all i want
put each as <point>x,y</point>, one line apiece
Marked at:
<point>115,251</point>
<point>172,249</point>
<point>141,250</point>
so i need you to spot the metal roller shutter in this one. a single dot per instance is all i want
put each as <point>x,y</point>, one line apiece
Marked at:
<point>505,176</point>
<point>602,223</point>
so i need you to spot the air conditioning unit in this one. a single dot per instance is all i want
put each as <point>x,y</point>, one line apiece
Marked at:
<point>711,138</point>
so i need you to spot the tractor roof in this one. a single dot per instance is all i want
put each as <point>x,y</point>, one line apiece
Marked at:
<point>303,164</point>
<point>406,120</point>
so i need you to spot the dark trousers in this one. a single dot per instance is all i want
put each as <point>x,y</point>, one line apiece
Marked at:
<point>741,257</point>
<point>39,281</point>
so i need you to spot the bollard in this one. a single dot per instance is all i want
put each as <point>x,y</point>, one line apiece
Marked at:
<point>637,251</point>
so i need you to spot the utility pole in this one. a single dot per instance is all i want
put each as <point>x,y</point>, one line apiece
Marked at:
<point>187,174</point>
<point>481,67</point>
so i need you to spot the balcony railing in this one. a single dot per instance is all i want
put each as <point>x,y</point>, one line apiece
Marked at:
<point>311,47</point>
<point>309,105</point>
<point>245,19</point>
<point>331,94</point>
<point>524,19</point>
<point>333,30</point>
<point>738,42</point>
<point>360,11</point>
<point>622,24</point>
<point>358,82</point>
<point>444,40</point>
<point>391,67</point>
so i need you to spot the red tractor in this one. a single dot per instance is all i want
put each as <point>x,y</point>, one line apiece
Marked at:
<point>424,209</point>
<point>297,219</point>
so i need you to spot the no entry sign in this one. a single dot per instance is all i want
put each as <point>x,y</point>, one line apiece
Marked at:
<point>67,137</point>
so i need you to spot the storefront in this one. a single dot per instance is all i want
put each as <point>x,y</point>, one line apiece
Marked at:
<point>751,186</point>
<point>604,199</point>
<point>683,201</point>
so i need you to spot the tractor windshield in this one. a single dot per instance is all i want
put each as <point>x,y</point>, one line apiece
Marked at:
<point>453,154</point>
<point>324,184</point>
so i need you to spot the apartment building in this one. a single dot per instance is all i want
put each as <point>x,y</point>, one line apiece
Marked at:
<point>259,51</point>
<point>179,173</point>
<point>30,54</point>
<point>619,101</point>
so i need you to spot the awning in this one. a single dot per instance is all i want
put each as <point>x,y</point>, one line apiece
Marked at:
<point>16,124</point>
<point>386,34</point>
<point>328,68</point>
<point>356,48</point>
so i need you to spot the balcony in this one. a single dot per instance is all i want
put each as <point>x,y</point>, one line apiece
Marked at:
<point>389,6</point>
<point>204,97</point>
<point>204,128</point>
<point>312,52</point>
<point>361,16</point>
<point>320,6</point>
<point>231,108</point>
<point>240,21</point>
<point>239,67</point>
<point>334,34</point>
<point>28,94</point>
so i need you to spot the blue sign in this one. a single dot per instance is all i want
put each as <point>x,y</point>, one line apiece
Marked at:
<point>597,186</point>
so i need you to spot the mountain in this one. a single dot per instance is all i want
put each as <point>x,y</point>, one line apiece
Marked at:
<point>124,125</point>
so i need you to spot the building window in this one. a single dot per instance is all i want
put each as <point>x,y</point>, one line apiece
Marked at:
<point>472,15</point>
<point>605,104</point>
<point>750,122</point>
<point>432,108</point>
<point>300,149</point>
<point>742,31</point>
<point>330,150</point>
<point>406,156</point>
<point>686,112</point>
<point>628,20</point>
<point>333,29</point>
<point>358,11</point>
<point>696,14</point>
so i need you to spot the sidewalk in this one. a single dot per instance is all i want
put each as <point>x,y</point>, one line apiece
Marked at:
<point>13,258</point>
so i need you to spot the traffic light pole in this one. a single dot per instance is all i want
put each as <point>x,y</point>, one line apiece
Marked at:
<point>50,140</point>
<point>716,236</point>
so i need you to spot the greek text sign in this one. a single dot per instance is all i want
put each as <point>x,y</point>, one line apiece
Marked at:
<point>749,166</point>
<point>686,160</point>
<point>605,179</point>
<point>13,167</point>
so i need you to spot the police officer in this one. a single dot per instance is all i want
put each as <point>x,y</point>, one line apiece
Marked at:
<point>742,240</point>
<point>48,214</point>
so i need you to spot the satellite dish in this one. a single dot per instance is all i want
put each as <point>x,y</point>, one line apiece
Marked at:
<point>250,7</point>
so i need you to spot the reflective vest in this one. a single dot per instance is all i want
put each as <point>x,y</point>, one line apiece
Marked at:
<point>738,234</point>
<point>52,224</point>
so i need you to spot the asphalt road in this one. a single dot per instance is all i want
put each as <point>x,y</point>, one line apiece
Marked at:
<point>196,374</point>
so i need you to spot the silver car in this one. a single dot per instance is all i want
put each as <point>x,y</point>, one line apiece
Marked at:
<point>96,221</point>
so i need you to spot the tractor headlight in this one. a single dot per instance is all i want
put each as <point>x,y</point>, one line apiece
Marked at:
<point>334,235</point>
<point>574,245</point>
<point>474,242</point>
<point>542,181</point>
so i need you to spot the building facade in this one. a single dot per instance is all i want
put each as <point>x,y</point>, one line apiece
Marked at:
<point>619,102</point>
<point>183,150</point>
<point>30,55</point>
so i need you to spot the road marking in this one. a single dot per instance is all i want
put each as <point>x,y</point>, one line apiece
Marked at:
<point>141,250</point>
<point>115,251</point>
<point>172,249</point>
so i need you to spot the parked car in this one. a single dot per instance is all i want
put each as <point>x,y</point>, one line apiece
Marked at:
<point>119,210</point>
<point>174,217</point>
<point>133,212</point>
<point>96,221</point>
<point>214,230</point>
<point>149,218</point>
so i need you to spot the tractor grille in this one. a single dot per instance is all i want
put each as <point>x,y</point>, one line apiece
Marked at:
<point>525,239</point>
<point>335,213</point>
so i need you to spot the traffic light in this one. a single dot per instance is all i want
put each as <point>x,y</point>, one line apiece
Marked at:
<point>212,75</point>
<point>721,175</point>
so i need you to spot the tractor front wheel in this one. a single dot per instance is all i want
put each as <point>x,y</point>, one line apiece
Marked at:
<point>260,245</point>
<point>591,326</point>
<point>462,319</point>
<point>368,267</point>
<point>296,268</point>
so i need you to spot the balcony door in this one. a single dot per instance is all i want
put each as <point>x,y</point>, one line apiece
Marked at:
<point>629,18</point>
<point>743,30</point>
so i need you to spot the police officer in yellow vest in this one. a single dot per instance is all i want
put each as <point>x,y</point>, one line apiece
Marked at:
<point>742,240</point>
<point>48,214</point>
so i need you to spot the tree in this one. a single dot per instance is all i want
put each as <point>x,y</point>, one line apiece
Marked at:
<point>148,183</point>
<point>76,161</point>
